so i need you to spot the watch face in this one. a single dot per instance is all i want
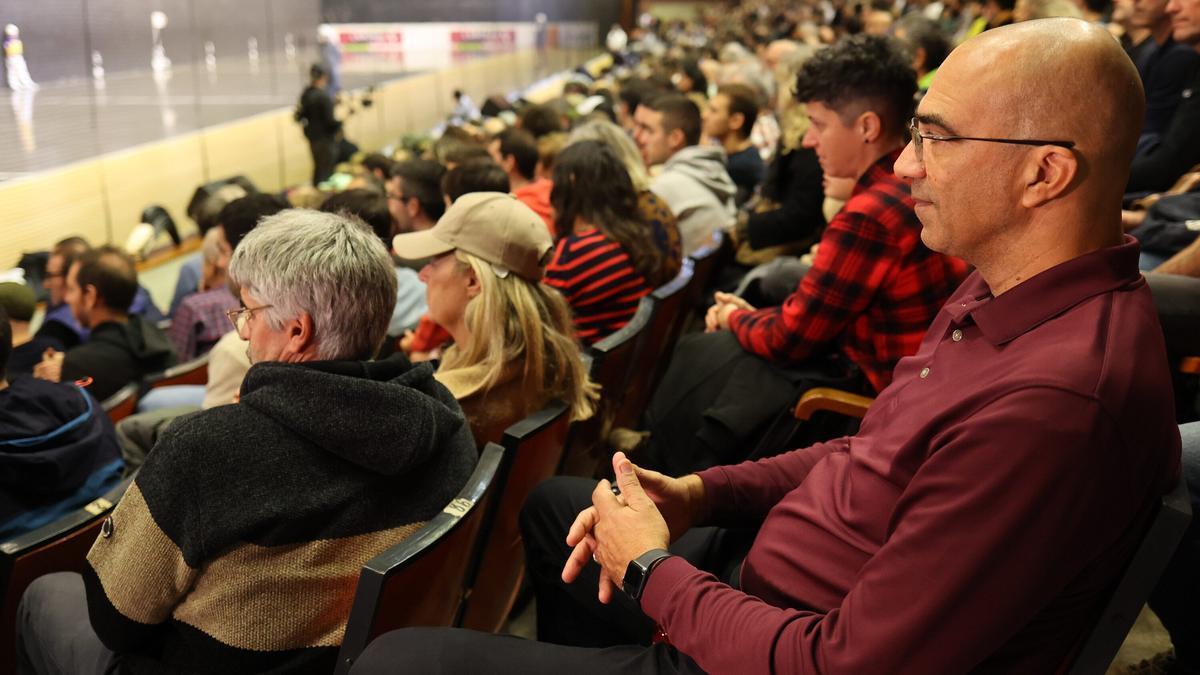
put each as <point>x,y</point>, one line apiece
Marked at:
<point>639,569</point>
<point>635,575</point>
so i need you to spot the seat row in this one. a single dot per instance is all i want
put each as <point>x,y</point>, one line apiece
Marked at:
<point>465,566</point>
<point>124,403</point>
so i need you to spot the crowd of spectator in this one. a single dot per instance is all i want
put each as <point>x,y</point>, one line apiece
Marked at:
<point>944,205</point>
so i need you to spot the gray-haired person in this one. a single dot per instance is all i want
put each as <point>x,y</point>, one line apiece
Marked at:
<point>237,545</point>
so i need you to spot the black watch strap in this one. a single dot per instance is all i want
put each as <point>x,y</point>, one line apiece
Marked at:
<point>639,569</point>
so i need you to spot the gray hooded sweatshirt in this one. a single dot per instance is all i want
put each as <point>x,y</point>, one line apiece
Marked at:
<point>698,189</point>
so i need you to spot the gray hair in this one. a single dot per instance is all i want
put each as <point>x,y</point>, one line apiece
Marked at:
<point>621,144</point>
<point>331,266</point>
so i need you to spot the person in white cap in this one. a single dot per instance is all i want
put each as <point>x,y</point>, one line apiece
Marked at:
<point>514,346</point>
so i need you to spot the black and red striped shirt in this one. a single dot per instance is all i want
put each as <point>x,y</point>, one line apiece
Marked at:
<point>599,281</point>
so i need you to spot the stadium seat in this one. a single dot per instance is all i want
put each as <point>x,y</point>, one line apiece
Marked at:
<point>61,546</point>
<point>1134,588</point>
<point>421,580</point>
<point>193,372</point>
<point>123,403</point>
<point>831,400</point>
<point>612,360</point>
<point>534,448</point>
<point>654,353</point>
<point>704,269</point>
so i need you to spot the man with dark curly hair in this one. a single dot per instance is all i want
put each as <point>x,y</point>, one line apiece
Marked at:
<point>871,291</point>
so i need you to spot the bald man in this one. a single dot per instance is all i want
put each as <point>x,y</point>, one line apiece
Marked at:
<point>996,490</point>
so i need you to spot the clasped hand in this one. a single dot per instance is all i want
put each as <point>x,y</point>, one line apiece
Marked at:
<point>651,510</point>
<point>725,304</point>
<point>50,367</point>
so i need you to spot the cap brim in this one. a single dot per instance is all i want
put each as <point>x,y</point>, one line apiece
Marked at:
<point>419,245</point>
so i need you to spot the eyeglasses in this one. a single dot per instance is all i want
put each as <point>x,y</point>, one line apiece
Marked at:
<point>398,197</point>
<point>239,317</point>
<point>919,138</point>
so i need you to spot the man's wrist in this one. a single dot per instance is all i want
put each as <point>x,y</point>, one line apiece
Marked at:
<point>697,501</point>
<point>637,573</point>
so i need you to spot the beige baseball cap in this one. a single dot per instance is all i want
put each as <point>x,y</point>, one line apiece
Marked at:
<point>494,226</point>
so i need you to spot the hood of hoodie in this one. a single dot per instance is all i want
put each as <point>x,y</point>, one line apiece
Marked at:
<point>52,437</point>
<point>409,415</point>
<point>705,164</point>
<point>146,342</point>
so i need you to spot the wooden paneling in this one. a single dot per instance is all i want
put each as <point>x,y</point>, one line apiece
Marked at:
<point>249,148</point>
<point>36,212</point>
<point>164,173</point>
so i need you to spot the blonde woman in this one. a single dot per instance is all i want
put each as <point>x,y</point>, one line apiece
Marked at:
<point>514,347</point>
<point>652,210</point>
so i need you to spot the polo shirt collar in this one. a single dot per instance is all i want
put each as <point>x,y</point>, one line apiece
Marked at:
<point>1046,295</point>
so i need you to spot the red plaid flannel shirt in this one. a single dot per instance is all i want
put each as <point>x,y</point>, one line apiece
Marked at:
<point>873,288</point>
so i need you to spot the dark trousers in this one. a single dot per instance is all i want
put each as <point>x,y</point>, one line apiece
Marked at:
<point>324,154</point>
<point>576,634</point>
<point>717,402</point>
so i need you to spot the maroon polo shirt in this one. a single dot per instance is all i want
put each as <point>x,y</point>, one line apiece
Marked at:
<point>979,518</point>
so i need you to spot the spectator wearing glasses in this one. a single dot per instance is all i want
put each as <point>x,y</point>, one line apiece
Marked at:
<point>871,292</point>
<point>60,324</point>
<point>122,347</point>
<point>979,520</point>
<point>239,543</point>
<point>414,194</point>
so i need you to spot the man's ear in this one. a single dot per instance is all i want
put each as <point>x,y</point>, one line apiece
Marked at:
<point>1050,173</point>
<point>301,338</point>
<point>676,140</point>
<point>413,207</point>
<point>509,164</point>
<point>90,296</point>
<point>869,126</point>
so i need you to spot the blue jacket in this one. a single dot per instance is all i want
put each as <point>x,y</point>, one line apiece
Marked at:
<point>58,451</point>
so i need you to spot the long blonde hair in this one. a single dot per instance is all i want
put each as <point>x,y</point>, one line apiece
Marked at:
<point>513,320</point>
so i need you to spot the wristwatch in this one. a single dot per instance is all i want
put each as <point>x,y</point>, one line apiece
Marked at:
<point>638,572</point>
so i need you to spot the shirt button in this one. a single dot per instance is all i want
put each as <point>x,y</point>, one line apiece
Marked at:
<point>924,373</point>
<point>956,335</point>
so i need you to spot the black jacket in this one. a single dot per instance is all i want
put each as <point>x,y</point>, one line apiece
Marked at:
<point>1177,151</point>
<point>316,114</point>
<point>794,181</point>
<point>117,354</point>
